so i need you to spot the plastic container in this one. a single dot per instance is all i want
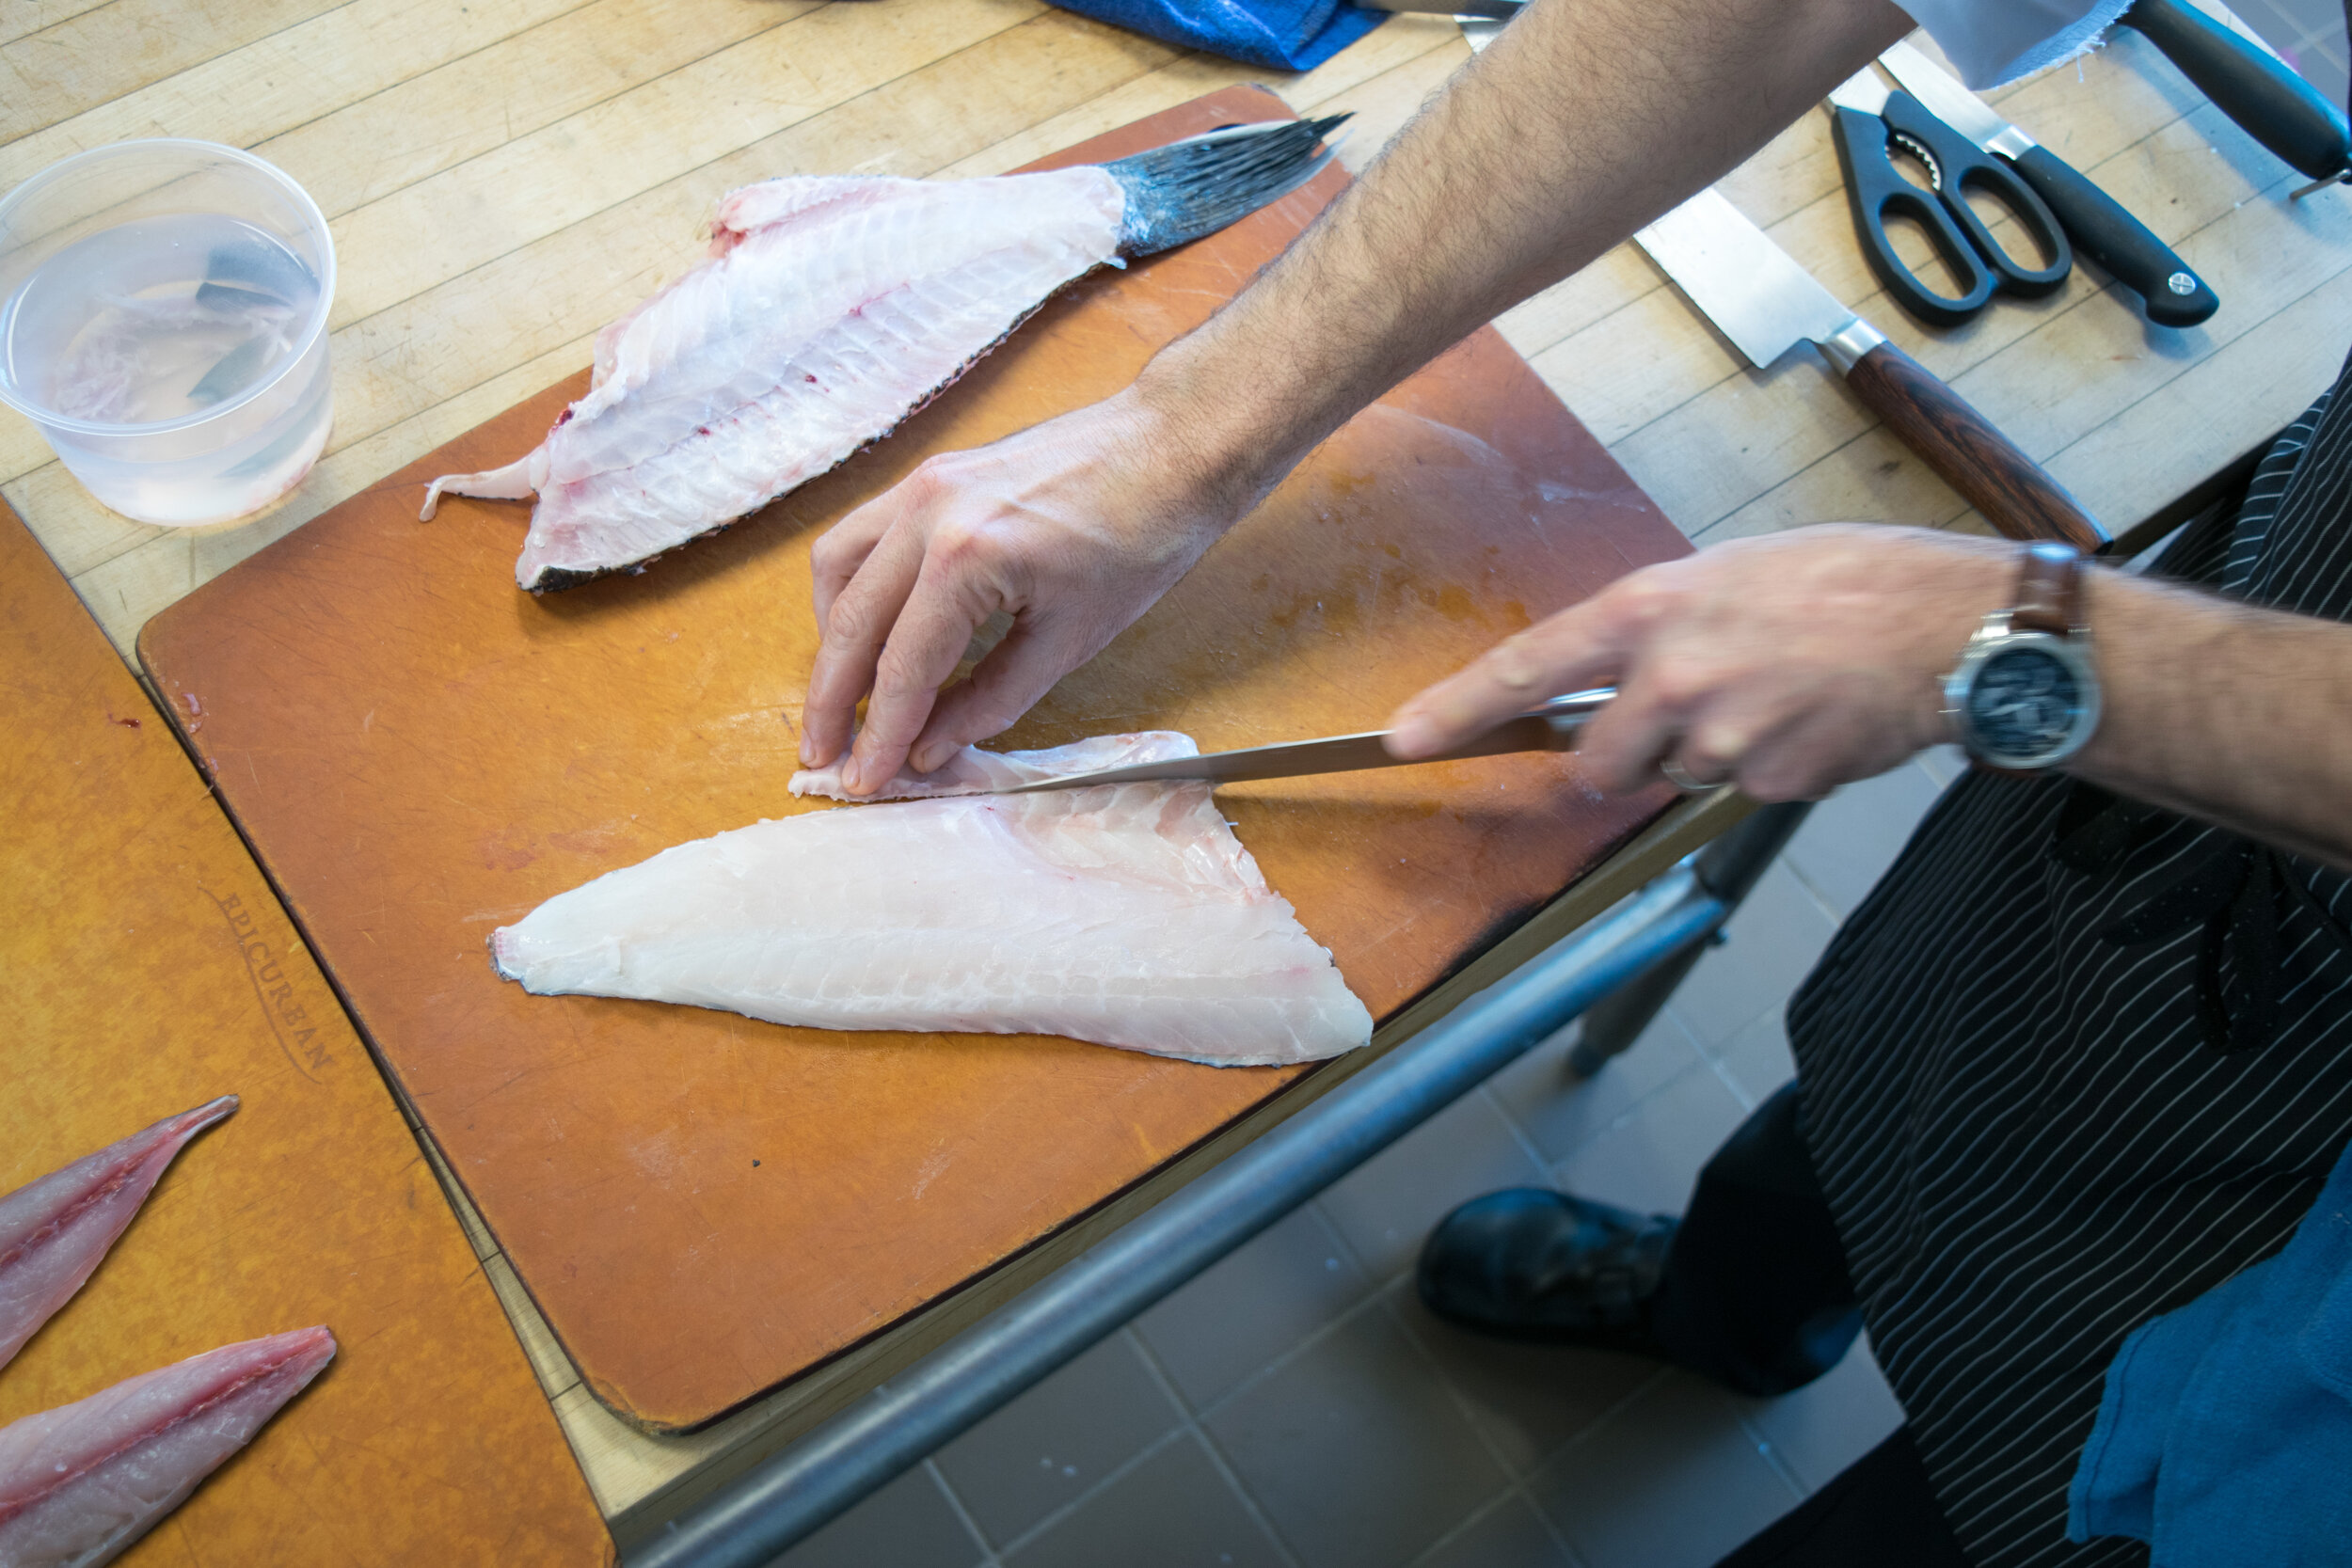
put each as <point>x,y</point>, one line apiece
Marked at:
<point>162,320</point>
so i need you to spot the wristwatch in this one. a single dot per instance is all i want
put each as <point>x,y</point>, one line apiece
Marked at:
<point>2025,696</point>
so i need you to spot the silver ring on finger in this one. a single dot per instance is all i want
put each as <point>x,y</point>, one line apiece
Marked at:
<point>1682,781</point>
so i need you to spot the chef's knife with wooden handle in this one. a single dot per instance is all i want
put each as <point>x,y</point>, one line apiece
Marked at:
<point>1766,304</point>
<point>2098,224</point>
<point>2250,85</point>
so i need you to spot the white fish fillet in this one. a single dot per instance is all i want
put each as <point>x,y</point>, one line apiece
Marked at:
<point>80,1483</point>
<point>832,309</point>
<point>1128,915</point>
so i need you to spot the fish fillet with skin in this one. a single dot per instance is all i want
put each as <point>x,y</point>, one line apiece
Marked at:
<point>1128,915</point>
<point>831,308</point>
<point>83,1482</point>
<point>56,1231</point>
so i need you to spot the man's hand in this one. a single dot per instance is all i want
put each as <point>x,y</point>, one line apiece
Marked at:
<point>1075,528</point>
<point>1789,664</point>
<point>1504,184</point>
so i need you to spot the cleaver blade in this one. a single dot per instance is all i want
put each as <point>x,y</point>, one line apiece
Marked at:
<point>1745,284</point>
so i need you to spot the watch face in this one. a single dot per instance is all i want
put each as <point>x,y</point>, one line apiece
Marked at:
<point>2024,702</point>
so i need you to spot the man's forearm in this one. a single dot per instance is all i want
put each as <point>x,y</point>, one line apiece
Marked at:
<point>1584,119</point>
<point>2237,714</point>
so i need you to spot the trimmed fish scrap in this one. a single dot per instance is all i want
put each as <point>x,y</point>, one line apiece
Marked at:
<point>80,1483</point>
<point>1125,914</point>
<point>56,1231</point>
<point>973,771</point>
<point>829,310</point>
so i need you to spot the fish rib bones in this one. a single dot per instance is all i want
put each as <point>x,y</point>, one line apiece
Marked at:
<point>830,309</point>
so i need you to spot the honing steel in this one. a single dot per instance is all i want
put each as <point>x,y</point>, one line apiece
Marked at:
<point>2250,85</point>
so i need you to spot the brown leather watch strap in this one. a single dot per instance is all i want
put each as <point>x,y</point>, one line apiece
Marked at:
<point>2049,590</point>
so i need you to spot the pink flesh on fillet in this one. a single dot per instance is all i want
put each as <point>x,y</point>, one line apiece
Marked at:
<point>80,1483</point>
<point>973,771</point>
<point>1126,914</point>
<point>830,309</point>
<point>55,1232</point>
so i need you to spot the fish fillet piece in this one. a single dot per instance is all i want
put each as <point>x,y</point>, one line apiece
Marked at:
<point>1125,914</point>
<point>836,308</point>
<point>830,309</point>
<point>80,1483</point>
<point>973,771</point>
<point>55,1232</point>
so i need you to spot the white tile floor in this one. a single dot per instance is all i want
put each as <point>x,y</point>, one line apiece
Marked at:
<point>1295,1406</point>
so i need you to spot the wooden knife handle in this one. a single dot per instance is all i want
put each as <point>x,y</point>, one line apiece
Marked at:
<point>2016,495</point>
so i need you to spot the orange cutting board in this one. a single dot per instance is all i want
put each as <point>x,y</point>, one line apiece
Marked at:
<point>148,969</point>
<point>704,1206</point>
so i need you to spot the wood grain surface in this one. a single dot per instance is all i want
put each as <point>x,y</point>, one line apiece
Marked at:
<point>704,1206</point>
<point>2011,491</point>
<point>149,968</point>
<point>471,153</point>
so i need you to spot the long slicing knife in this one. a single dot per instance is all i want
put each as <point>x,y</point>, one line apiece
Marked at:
<point>2252,85</point>
<point>2098,224</point>
<point>1767,305</point>
<point>1551,727</point>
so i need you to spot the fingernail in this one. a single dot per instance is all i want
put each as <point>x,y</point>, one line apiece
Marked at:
<point>851,778</point>
<point>1415,732</point>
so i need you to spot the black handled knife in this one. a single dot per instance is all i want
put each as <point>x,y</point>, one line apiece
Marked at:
<point>2098,224</point>
<point>2251,85</point>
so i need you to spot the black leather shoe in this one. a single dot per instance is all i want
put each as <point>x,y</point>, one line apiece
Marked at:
<point>1527,1263</point>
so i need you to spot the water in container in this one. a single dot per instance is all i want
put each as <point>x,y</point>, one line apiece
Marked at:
<point>163,324</point>
<point>150,322</point>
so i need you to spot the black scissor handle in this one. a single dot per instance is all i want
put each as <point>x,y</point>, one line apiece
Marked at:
<point>1874,188</point>
<point>1962,168</point>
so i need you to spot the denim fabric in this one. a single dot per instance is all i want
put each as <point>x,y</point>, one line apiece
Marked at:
<point>1280,34</point>
<point>2226,1433</point>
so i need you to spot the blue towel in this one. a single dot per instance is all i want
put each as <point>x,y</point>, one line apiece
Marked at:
<point>1280,34</point>
<point>2226,1435</point>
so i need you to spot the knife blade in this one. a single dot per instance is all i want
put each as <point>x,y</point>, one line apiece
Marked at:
<point>1553,726</point>
<point>2252,85</point>
<point>2100,226</point>
<point>1767,305</point>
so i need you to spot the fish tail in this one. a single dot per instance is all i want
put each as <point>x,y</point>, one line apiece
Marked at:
<point>1197,186</point>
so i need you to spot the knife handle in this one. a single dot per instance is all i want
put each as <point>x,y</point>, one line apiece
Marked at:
<point>2015,494</point>
<point>2109,235</point>
<point>2277,107</point>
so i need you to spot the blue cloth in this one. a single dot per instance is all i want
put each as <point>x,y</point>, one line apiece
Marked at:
<point>2226,1435</point>
<point>1280,34</point>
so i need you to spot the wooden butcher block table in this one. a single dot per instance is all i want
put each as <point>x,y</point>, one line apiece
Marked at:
<point>704,1206</point>
<point>148,970</point>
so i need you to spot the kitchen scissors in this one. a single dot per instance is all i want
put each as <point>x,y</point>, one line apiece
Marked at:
<point>1872,121</point>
